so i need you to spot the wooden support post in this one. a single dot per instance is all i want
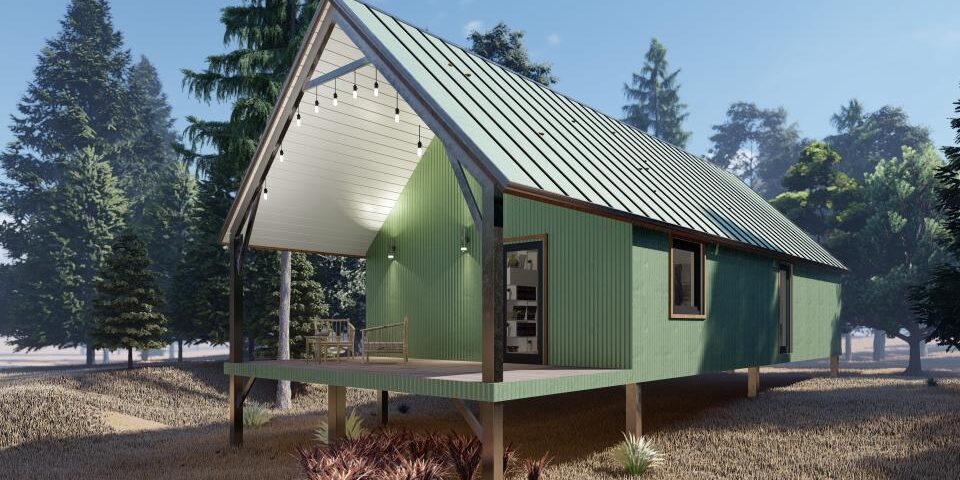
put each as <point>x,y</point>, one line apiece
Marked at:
<point>834,366</point>
<point>491,415</point>
<point>634,419</point>
<point>336,412</point>
<point>753,381</point>
<point>236,339</point>
<point>383,408</point>
<point>494,285</point>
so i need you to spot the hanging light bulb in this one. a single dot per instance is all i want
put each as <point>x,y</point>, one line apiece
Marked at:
<point>419,143</point>
<point>266,193</point>
<point>376,83</point>
<point>280,157</point>
<point>298,115</point>
<point>316,101</point>
<point>396,111</point>
<point>334,92</point>
<point>354,84</point>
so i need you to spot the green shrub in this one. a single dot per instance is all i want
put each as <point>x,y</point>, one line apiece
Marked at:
<point>256,414</point>
<point>355,428</point>
<point>535,468</point>
<point>636,454</point>
<point>932,382</point>
<point>403,408</point>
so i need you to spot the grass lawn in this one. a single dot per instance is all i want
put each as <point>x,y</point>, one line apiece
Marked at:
<point>170,422</point>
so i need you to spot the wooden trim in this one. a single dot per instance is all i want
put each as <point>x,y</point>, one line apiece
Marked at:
<point>790,312</point>
<point>545,308</point>
<point>586,207</point>
<point>703,280</point>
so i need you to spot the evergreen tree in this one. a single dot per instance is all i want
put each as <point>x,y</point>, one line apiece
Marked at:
<point>655,97</point>
<point>267,34</point>
<point>936,301</point>
<point>758,145</point>
<point>863,139</point>
<point>504,46</point>
<point>70,126</point>
<point>127,303</point>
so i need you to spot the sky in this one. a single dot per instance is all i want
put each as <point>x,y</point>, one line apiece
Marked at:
<point>809,57</point>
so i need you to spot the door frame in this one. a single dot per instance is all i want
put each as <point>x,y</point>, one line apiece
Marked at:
<point>543,293</point>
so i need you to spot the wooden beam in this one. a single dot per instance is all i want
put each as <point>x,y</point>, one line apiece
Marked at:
<point>336,73</point>
<point>633,409</point>
<point>468,196</point>
<point>246,390</point>
<point>491,414</point>
<point>834,366</point>
<point>236,339</point>
<point>753,381</point>
<point>336,412</point>
<point>493,286</point>
<point>471,419</point>
<point>383,407</point>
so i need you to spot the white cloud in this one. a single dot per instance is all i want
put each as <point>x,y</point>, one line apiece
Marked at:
<point>472,26</point>
<point>553,39</point>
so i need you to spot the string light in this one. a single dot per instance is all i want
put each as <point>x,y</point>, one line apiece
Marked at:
<point>376,83</point>
<point>354,84</point>
<point>334,92</point>
<point>396,111</point>
<point>316,100</point>
<point>298,114</point>
<point>280,157</point>
<point>266,193</point>
<point>419,143</point>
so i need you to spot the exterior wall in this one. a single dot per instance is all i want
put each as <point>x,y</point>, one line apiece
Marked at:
<point>438,288</point>
<point>740,328</point>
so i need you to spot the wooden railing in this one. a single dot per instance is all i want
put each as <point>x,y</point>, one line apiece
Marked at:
<point>385,339</point>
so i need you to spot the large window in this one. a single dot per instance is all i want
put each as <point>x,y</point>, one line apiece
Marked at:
<point>686,279</point>
<point>785,312</point>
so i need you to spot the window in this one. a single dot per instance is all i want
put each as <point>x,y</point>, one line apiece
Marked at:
<point>686,279</point>
<point>784,302</point>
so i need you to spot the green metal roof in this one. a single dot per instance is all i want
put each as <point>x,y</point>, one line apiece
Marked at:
<point>538,138</point>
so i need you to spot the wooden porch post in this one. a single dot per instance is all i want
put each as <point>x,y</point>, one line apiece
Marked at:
<point>383,407</point>
<point>491,415</point>
<point>236,339</point>
<point>753,381</point>
<point>336,412</point>
<point>493,285</point>
<point>834,366</point>
<point>634,419</point>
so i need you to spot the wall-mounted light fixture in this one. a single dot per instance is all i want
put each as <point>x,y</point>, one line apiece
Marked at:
<point>392,253</point>
<point>464,241</point>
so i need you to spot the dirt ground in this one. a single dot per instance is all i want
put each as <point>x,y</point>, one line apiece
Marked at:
<point>169,422</point>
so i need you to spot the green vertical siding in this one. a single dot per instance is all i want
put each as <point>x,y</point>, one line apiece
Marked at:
<point>438,288</point>
<point>741,325</point>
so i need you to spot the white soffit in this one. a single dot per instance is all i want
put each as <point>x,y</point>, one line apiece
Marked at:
<point>344,166</point>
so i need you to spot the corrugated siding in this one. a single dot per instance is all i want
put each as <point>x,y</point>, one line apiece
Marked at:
<point>438,288</point>
<point>541,139</point>
<point>741,325</point>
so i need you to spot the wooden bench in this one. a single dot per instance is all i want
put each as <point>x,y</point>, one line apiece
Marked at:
<point>384,339</point>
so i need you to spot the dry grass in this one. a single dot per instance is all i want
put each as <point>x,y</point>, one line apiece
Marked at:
<point>867,424</point>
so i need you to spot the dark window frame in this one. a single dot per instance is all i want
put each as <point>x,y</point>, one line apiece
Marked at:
<point>699,250</point>
<point>787,308</point>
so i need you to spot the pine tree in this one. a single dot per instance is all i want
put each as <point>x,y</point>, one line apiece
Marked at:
<point>70,118</point>
<point>502,45</point>
<point>655,94</point>
<point>127,303</point>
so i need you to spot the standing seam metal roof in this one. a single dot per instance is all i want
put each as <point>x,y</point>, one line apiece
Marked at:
<point>539,138</point>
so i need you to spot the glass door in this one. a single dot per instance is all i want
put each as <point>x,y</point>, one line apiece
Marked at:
<point>524,271</point>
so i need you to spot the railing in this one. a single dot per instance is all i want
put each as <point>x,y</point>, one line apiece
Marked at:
<point>384,339</point>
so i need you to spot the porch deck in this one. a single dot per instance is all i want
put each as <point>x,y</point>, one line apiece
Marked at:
<point>443,378</point>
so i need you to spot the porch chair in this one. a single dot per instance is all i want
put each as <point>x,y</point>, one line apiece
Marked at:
<point>384,339</point>
<point>332,334</point>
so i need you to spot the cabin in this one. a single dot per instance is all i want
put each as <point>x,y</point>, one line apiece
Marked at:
<point>531,245</point>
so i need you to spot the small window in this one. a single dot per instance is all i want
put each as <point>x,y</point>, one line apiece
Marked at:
<point>785,312</point>
<point>686,279</point>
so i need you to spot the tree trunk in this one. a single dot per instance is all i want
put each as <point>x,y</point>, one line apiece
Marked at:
<point>179,350</point>
<point>847,346</point>
<point>91,355</point>
<point>106,357</point>
<point>283,338</point>
<point>923,349</point>
<point>129,357</point>
<point>879,345</point>
<point>914,368</point>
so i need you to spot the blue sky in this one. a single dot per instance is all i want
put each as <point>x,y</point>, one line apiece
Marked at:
<point>809,57</point>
